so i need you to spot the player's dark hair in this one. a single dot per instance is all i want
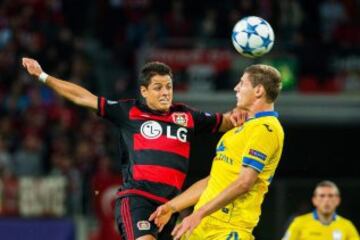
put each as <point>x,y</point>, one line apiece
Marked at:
<point>327,183</point>
<point>151,69</point>
<point>267,76</point>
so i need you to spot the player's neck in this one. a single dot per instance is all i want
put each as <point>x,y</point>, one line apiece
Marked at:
<point>256,108</point>
<point>326,219</point>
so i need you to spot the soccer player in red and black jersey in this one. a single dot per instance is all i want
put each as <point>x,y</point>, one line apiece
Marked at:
<point>156,135</point>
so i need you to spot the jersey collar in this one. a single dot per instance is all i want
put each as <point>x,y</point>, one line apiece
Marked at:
<point>266,114</point>
<point>316,216</point>
<point>144,107</point>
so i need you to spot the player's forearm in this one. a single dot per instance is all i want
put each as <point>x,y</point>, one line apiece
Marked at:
<point>240,186</point>
<point>72,92</point>
<point>233,118</point>
<point>226,123</point>
<point>233,191</point>
<point>189,197</point>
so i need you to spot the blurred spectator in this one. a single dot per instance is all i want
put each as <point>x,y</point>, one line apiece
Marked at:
<point>5,157</point>
<point>352,81</point>
<point>332,14</point>
<point>207,28</point>
<point>27,160</point>
<point>62,165</point>
<point>177,24</point>
<point>290,19</point>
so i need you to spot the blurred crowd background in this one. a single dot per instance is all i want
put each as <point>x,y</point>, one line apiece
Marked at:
<point>101,44</point>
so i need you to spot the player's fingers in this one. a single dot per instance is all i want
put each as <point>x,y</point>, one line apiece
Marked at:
<point>24,60</point>
<point>157,222</point>
<point>233,120</point>
<point>153,216</point>
<point>181,230</point>
<point>176,229</point>
<point>161,228</point>
<point>25,63</point>
<point>179,233</point>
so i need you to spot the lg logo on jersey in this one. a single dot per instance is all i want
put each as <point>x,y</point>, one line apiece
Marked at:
<point>153,130</point>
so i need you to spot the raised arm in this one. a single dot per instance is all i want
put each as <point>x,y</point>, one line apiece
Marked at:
<point>74,93</point>
<point>186,199</point>
<point>232,119</point>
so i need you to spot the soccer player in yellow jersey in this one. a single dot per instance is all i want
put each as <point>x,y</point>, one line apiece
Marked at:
<point>323,223</point>
<point>228,202</point>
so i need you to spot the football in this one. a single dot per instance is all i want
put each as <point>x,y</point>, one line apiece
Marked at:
<point>253,36</point>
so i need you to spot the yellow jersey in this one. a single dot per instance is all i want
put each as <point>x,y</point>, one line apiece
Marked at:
<point>308,227</point>
<point>258,144</point>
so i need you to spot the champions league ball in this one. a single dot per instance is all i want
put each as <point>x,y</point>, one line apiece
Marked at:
<point>252,37</point>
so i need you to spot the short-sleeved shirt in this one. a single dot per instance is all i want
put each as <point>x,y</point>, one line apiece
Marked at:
<point>308,227</point>
<point>258,144</point>
<point>157,144</point>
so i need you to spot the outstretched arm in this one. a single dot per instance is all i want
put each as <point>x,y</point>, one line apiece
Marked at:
<point>186,199</point>
<point>74,93</point>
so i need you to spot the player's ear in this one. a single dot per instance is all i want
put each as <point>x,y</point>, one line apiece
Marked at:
<point>259,91</point>
<point>338,201</point>
<point>313,200</point>
<point>143,91</point>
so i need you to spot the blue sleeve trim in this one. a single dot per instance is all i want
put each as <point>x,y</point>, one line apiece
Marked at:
<point>253,163</point>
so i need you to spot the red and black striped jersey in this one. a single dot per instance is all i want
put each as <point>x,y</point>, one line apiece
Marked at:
<point>157,144</point>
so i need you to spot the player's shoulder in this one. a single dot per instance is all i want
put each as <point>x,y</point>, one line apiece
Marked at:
<point>304,218</point>
<point>125,104</point>
<point>344,220</point>
<point>267,124</point>
<point>181,107</point>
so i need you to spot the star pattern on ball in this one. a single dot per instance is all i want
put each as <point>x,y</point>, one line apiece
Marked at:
<point>266,41</point>
<point>252,37</point>
<point>250,29</point>
<point>247,49</point>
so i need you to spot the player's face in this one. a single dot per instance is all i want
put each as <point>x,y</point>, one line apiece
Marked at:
<point>159,93</point>
<point>245,92</point>
<point>326,200</point>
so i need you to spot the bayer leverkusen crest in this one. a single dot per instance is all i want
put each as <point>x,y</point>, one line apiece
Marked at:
<point>180,118</point>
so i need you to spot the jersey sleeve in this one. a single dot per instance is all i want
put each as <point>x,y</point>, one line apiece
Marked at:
<point>293,232</point>
<point>114,111</point>
<point>206,122</point>
<point>260,149</point>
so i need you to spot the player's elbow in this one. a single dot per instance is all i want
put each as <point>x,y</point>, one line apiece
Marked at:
<point>85,102</point>
<point>244,186</point>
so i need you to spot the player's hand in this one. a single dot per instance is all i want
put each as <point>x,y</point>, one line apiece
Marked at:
<point>238,116</point>
<point>186,226</point>
<point>32,66</point>
<point>161,216</point>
